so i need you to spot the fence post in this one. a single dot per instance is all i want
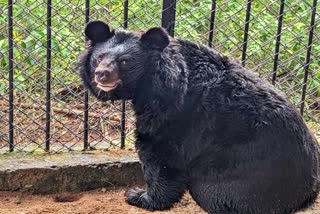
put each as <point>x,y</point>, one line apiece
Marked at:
<point>168,15</point>
<point>123,103</point>
<point>48,77</point>
<point>246,33</point>
<point>277,47</point>
<point>86,95</point>
<point>212,19</point>
<point>11,73</point>
<point>308,55</point>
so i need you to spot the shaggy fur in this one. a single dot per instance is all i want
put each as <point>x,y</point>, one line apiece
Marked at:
<point>207,125</point>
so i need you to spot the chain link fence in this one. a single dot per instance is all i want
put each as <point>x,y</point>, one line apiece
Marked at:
<point>43,106</point>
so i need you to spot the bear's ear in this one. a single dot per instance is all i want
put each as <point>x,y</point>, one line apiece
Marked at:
<point>156,38</point>
<point>98,31</point>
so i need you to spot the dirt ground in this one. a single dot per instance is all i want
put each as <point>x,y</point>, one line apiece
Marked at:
<point>94,202</point>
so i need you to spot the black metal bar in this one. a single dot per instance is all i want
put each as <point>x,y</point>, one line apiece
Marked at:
<point>123,104</point>
<point>11,73</point>
<point>168,15</point>
<point>212,19</point>
<point>277,47</point>
<point>123,124</point>
<point>308,56</point>
<point>86,95</point>
<point>48,78</point>
<point>125,13</point>
<point>246,33</point>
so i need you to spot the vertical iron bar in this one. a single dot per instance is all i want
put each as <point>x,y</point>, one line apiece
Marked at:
<point>125,13</point>
<point>123,124</point>
<point>11,73</point>
<point>277,47</point>
<point>86,95</point>
<point>168,15</point>
<point>85,120</point>
<point>212,19</point>
<point>123,104</point>
<point>308,56</point>
<point>48,77</point>
<point>246,33</point>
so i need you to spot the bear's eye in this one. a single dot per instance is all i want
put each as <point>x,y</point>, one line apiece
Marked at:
<point>123,62</point>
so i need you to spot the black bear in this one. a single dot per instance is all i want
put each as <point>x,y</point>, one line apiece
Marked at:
<point>204,125</point>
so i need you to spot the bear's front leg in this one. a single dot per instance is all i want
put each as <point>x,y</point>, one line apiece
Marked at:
<point>165,186</point>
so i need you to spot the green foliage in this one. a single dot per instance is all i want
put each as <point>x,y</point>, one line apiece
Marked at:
<point>192,22</point>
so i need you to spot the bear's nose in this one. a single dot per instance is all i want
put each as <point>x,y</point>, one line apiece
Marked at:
<point>102,74</point>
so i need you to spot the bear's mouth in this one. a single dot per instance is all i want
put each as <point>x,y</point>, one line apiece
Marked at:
<point>108,86</point>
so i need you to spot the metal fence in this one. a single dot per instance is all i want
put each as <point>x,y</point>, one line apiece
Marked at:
<point>43,106</point>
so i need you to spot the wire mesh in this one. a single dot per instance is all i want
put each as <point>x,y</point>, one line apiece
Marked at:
<point>272,38</point>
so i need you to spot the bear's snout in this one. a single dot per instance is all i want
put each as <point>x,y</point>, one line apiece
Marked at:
<point>106,75</point>
<point>103,75</point>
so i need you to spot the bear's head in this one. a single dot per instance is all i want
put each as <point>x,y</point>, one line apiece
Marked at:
<point>115,61</point>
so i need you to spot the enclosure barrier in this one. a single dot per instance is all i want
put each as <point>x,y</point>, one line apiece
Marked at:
<point>27,121</point>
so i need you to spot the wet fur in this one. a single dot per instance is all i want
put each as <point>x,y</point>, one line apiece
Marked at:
<point>207,125</point>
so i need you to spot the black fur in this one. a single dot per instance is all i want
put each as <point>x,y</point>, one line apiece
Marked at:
<point>155,38</point>
<point>98,31</point>
<point>207,125</point>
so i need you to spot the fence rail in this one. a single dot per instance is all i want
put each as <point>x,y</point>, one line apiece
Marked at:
<point>43,105</point>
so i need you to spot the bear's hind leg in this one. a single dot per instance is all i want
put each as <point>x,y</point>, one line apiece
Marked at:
<point>214,199</point>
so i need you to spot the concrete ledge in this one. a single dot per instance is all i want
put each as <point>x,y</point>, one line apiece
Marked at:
<point>68,172</point>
